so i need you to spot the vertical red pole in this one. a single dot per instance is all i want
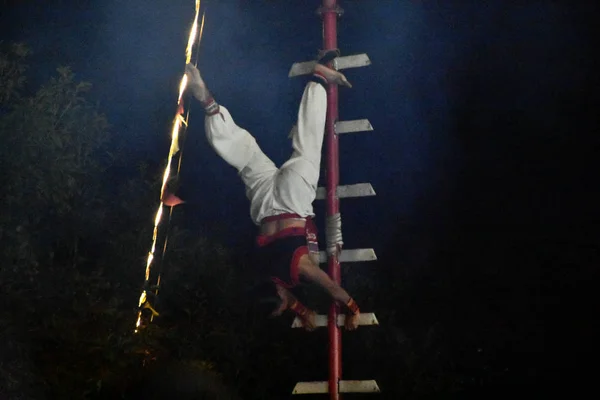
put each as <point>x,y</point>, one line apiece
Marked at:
<point>330,13</point>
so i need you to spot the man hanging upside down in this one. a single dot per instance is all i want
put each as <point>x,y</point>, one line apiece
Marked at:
<point>281,198</point>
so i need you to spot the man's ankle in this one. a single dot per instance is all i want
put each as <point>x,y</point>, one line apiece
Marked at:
<point>330,75</point>
<point>211,107</point>
<point>326,56</point>
<point>201,93</point>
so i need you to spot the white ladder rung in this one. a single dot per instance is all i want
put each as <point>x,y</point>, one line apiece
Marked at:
<point>321,387</point>
<point>321,320</point>
<point>354,61</point>
<point>351,255</point>
<point>357,125</point>
<point>346,191</point>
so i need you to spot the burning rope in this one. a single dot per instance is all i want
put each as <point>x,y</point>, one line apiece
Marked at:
<point>179,121</point>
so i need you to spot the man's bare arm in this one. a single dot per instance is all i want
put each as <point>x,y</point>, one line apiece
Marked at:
<point>315,274</point>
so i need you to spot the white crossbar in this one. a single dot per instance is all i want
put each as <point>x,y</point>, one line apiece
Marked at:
<point>346,191</point>
<point>343,387</point>
<point>352,255</point>
<point>357,125</point>
<point>321,320</point>
<point>354,61</point>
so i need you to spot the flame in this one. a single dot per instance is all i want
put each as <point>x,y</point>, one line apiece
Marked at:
<point>192,37</point>
<point>182,87</point>
<point>201,28</point>
<point>177,123</point>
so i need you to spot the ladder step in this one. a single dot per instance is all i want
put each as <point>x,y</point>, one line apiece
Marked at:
<point>311,387</point>
<point>343,387</point>
<point>359,387</point>
<point>346,191</point>
<point>321,320</point>
<point>354,61</point>
<point>353,255</point>
<point>357,125</point>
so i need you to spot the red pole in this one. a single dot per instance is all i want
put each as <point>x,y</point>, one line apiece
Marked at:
<point>329,12</point>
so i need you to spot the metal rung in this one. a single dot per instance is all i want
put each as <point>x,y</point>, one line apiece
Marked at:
<point>354,255</point>
<point>343,387</point>
<point>354,61</point>
<point>321,320</point>
<point>311,387</point>
<point>357,125</point>
<point>345,191</point>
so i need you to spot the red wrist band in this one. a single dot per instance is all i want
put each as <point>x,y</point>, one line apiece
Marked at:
<point>298,308</point>
<point>352,306</point>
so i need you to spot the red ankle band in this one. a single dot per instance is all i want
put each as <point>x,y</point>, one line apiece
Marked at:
<point>298,308</point>
<point>210,106</point>
<point>319,75</point>
<point>352,306</point>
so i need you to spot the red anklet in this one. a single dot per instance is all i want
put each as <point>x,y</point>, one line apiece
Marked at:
<point>210,106</point>
<point>352,306</point>
<point>298,308</point>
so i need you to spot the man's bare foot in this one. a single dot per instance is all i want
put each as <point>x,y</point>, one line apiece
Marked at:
<point>352,321</point>
<point>196,83</point>
<point>325,56</point>
<point>332,75</point>
<point>308,321</point>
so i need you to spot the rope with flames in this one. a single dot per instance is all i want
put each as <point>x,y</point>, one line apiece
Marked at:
<point>179,121</point>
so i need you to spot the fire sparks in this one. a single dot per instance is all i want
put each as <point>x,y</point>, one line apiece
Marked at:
<point>194,38</point>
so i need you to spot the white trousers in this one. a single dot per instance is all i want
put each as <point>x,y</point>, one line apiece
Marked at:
<point>271,190</point>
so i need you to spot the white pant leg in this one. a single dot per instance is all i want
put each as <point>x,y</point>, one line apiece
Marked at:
<point>240,150</point>
<point>296,182</point>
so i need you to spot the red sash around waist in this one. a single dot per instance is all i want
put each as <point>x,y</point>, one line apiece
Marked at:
<point>309,230</point>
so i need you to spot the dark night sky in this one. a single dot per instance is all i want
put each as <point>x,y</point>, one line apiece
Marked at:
<point>482,94</point>
<point>485,117</point>
<point>483,111</point>
<point>459,94</point>
<point>479,109</point>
